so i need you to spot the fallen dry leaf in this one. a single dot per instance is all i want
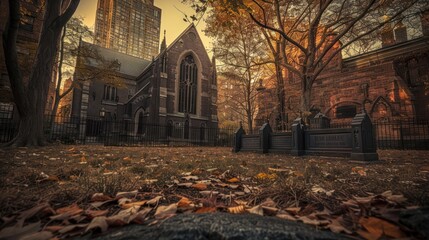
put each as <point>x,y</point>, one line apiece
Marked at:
<point>188,184</point>
<point>163,212</point>
<point>132,204</point>
<point>43,235</point>
<point>278,169</point>
<point>270,211</point>
<point>264,176</point>
<point>237,210</point>
<point>96,213</point>
<point>378,227</point>
<point>141,215</point>
<point>269,203</point>
<point>233,180</point>
<point>188,178</point>
<point>359,170</point>
<point>256,210</point>
<point>184,203</point>
<point>206,210</point>
<point>394,198</point>
<point>98,222</point>
<point>100,197</point>
<point>199,186</point>
<point>99,204</point>
<point>293,210</point>
<point>42,208</point>
<point>209,193</point>
<point>131,194</point>
<point>154,201</point>
<point>124,217</point>
<point>18,231</point>
<point>72,227</point>
<point>285,215</point>
<point>336,227</point>
<point>65,212</point>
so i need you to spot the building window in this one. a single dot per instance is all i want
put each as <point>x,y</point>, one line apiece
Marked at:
<point>188,86</point>
<point>110,93</point>
<point>348,111</point>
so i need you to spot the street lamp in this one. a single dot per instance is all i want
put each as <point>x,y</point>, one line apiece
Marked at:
<point>261,90</point>
<point>102,112</point>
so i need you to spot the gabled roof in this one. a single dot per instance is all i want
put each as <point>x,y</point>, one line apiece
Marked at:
<point>191,26</point>
<point>130,65</point>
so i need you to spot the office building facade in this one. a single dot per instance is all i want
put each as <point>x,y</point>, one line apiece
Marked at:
<point>128,26</point>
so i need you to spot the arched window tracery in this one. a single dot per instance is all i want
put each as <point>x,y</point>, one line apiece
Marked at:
<point>188,85</point>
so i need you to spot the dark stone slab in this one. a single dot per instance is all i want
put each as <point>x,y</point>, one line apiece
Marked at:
<point>417,220</point>
<point>222,226</point>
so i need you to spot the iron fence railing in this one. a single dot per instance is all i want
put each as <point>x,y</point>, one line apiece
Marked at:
<point>69,130</point>
<point>405,134</point>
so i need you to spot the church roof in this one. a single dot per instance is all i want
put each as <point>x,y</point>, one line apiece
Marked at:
<point>191,26</point>
<point>130,65</point>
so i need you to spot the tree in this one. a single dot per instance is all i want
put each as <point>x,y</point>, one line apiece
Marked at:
<point>30,99</point>
<point>71,35</point>
<point>71,48</point>
<point>317,31</point>
<point>239,48</point>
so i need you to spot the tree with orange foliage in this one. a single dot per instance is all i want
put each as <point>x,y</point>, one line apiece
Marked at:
<point>316,31</point>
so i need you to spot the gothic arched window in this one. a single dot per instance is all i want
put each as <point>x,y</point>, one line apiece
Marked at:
<point>188,85</point>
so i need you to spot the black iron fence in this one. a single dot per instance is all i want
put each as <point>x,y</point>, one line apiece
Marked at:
<point>69,130</point>
<point>405,134</point>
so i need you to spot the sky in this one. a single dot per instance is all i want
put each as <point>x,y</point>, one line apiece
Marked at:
<point>171,19</point>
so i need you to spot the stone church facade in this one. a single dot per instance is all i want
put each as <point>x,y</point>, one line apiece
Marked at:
<point>176,90</point>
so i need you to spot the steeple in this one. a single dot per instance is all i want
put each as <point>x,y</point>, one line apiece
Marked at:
<point>163,44</point>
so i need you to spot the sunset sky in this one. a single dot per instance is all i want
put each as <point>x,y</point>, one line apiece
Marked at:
<point>171,18</point>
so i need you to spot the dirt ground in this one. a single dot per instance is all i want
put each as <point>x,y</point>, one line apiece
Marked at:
<point>62,175</point>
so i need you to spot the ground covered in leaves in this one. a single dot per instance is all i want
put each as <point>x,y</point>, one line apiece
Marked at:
<point>63,191</point>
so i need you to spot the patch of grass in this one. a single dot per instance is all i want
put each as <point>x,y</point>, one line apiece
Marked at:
<point>116,169</point>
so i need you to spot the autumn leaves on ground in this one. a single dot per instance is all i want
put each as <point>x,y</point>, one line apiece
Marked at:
<point>64,191</point>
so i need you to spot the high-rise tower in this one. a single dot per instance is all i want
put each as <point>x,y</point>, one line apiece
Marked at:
<point>128,26</point>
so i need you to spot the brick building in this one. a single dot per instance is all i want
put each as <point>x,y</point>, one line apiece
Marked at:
<point>390,83</point>
<point>100,95</point>
<point>176,89</point>
<point>27,42</point>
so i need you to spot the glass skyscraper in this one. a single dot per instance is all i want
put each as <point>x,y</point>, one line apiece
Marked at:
<point>128,26</point>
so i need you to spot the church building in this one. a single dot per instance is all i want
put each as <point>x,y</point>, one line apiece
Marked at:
<point>177,90</point>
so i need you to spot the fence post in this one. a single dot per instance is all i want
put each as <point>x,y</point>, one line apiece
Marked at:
<point>238,135</point>
<point>320,121</point>
<point>401,134</point>
<point>298,147</point>
<point>363,140</point>
<point>264,137</point>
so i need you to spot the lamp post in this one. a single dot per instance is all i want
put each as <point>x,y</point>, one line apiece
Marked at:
<point>102,115</point>
<point>261,90</point>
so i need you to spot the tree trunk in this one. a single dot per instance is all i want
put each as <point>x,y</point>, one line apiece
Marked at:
<point>250,122</point>
<point>30,132</point>
<point>31,101</point>
<point>305,104</point>
<point>280,93</point>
